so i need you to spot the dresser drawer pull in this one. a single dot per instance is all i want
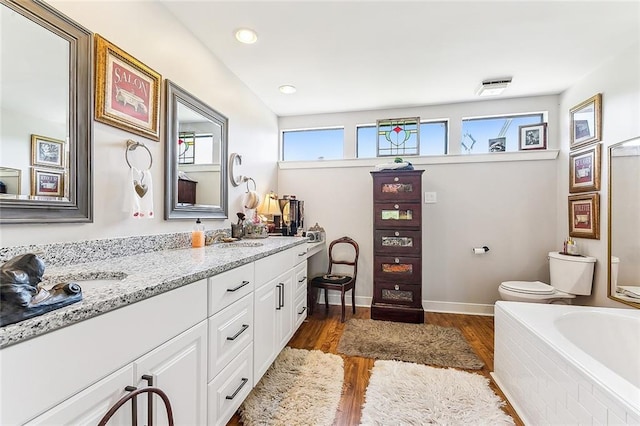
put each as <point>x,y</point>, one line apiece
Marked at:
<point>395,179</point>
<point>239,287</point>
<point>304,308</point>
<point>233,395</point>
<point>242,330</point>
<point>396,260</point>
<point>303,279</point>
<point>302,254</point>
<point>397,234</point>
<point>396,288</point>
<point>395,206</point>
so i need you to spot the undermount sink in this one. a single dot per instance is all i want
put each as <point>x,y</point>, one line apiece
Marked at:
<point>86,281</point>
<point>239,244</point>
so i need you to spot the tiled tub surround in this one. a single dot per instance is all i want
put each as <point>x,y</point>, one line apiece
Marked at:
<point>138,270</point>
<point>549,379</point>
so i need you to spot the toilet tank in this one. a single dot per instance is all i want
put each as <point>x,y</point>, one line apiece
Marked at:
<point>571,274</point>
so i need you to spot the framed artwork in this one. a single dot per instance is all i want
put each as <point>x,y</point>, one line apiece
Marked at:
<point>47,152</point>
<point>584,216</point>
<point>584,170</point>
<point>127,91</point>
<point>533,136</point>
<point>498,144</point>
<point>586,119</point>
<point>47,182</point>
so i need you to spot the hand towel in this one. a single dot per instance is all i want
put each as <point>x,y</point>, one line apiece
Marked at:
<point>141,189</point>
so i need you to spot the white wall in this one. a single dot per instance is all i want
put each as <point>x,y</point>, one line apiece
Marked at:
<point>618,79</point>
<point>510,206</point>
<point>148,32</point>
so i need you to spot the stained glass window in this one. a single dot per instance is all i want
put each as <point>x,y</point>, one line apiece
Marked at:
<point>398,136</point>
<point>186,147</point>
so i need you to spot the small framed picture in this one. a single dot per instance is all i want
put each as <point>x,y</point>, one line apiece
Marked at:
<point>533,136</point>
<point>47,152</point>
<point>586,119</point>
<point>47,182</point>
<point>584,216</point>
<point>498,144</point>
<point>127,91</point>
<point>584,170</point>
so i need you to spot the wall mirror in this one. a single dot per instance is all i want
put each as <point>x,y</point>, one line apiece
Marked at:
<point>196,158</point>
<point>46,109</point>
<point>624,222</point>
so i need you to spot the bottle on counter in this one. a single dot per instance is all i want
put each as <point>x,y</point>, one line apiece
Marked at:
<point>197,235</point>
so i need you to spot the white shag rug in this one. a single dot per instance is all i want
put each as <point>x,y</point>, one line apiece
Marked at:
<point>300,388</point>
<point>403,393</point>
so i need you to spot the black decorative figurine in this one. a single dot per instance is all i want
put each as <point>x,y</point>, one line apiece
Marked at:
<point>21,297</point>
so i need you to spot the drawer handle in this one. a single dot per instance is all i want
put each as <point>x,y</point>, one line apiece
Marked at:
<point>242,330</point>
<point>396,260</point>
<point>239,287</point>
<point>395,206</point>
<point>233,395</point>
<point>302,254</point>
<point>396,287</point>
<point>397,234</point>
<point>304,308</point>
<point>395,179</point>
<point>303,279</point>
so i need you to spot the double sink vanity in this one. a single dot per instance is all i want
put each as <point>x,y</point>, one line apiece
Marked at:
<point>202,325</point>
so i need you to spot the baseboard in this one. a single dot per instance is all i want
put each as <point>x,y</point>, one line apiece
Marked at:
<point>458,308</point>
<point>428,305</point>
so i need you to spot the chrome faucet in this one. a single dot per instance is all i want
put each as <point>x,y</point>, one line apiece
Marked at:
<point>216,237</point>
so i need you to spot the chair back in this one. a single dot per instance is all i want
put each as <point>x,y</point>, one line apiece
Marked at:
<point>350,262</point>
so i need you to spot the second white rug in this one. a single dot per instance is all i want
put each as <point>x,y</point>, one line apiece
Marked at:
<point>301,388</point>
<point>403,393</point>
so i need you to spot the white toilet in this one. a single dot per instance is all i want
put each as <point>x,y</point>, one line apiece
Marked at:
<point>570,276</point>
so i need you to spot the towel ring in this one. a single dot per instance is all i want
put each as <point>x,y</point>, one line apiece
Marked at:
<point>131,146</point>
<point>248,179</point>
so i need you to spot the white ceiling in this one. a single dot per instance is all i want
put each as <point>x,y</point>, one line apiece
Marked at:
<point>359,55</point>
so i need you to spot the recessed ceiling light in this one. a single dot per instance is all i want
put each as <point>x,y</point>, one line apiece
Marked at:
<point>288,89</point>
<point>246,36</point>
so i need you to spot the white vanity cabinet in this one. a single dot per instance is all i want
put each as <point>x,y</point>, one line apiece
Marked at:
<point>231,325</point>
<point>275,314</point>
<point>74,374</point>
<point>177,367</point>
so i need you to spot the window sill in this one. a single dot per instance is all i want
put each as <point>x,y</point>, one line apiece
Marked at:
<point>549,154</point>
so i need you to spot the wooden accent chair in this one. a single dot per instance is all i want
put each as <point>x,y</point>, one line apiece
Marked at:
<point>336,280</point>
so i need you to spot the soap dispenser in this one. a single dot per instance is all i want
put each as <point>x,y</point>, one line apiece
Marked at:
<point>197,235</point>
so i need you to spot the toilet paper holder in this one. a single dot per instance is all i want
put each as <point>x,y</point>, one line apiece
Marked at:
<point>480,250</point>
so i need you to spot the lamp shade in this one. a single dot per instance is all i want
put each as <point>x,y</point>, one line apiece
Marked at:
<point>270,205</point>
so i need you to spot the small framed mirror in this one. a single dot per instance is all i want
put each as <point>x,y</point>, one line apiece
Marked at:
<point>196,158</point>
<point>624,222</point>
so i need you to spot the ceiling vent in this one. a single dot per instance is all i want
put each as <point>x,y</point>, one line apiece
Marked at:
<point>493,87</point>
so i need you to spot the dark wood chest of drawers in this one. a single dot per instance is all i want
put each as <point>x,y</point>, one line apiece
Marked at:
<point>397,246</point>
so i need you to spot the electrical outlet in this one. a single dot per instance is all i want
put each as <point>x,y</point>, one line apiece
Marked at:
<point>430,198</point>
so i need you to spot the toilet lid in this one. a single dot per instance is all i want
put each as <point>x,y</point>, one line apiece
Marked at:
<point>529,287</point>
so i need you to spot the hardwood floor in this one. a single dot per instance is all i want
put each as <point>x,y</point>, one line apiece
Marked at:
<point>323,332</point>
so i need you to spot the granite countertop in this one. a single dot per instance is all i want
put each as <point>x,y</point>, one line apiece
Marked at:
<point>134,278</point>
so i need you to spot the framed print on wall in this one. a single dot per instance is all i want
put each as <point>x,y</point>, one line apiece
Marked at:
<point>584,170</point>
<point>47,182</point>
<point>584,216</point>
<point>47,152</point>
<point>127,91</point>
<point>533,136</point>
<point>586,119</point>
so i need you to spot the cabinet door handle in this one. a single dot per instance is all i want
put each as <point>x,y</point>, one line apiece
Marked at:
<point>233,395</point>
<point>303,279</point>
<point>304,308</point>
<point>279,296</point>
<point>149,379</point>
<point>242,330</point>
<point>239,287</point>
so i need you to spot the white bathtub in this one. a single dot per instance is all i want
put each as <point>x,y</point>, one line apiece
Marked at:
<point>567,364</point>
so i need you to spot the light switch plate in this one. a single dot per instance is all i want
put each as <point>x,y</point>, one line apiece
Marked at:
<point>430,198</point>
